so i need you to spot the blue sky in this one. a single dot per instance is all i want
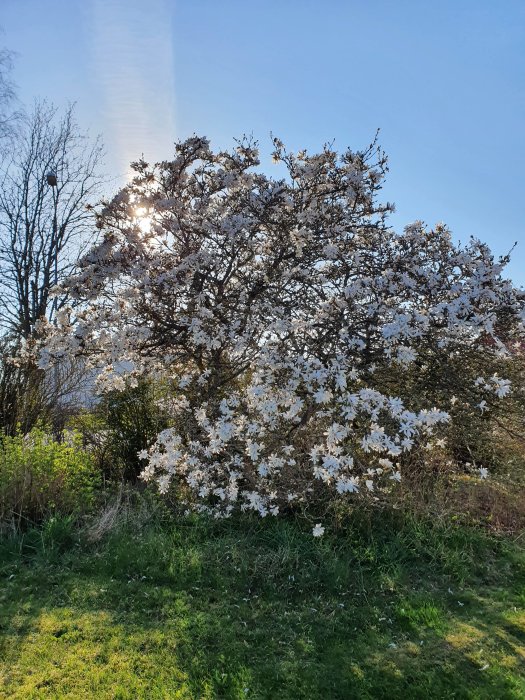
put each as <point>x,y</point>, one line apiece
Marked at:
<point>444,81</point>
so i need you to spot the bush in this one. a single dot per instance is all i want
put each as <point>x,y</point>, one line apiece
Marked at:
<point>120,426</point>
<point>41,477</point>
<point>313,349</point>
<point>133,419</point>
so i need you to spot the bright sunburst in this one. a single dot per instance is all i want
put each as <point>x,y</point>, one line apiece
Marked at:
<point>143,219</point>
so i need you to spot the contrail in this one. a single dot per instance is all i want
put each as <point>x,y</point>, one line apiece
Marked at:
<point>133,64</point>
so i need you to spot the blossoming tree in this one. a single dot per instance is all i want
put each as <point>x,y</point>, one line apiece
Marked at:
<point>281,310</point>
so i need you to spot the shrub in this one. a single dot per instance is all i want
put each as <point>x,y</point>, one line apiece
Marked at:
<point>133,419</point>
<point>311,345</point>
<point>41,477</point>
<point>119,426</point>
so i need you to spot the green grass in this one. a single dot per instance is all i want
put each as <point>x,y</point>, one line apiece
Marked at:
<point>260,609</point>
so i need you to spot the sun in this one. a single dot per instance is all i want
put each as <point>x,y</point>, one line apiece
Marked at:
<point>143,219</point>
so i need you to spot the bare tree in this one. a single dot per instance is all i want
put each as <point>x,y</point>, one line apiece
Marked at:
<point>9,114</point>
<point>48,182</point>
<point>29,395</point>
<point>49,178</point>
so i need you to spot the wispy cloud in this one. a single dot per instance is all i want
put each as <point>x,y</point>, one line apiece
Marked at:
<point>132,59</point>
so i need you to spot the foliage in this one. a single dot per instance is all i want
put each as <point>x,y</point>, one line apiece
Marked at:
<point>484,432</point>
<point>133,418</point>
<point>389,607</point>
<point>41,477</point>
<point>22,402</point>
<point>311,345</point>
<point>119,426</point>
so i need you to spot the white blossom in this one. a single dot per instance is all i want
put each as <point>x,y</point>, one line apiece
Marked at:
<point>280,312</point>
<point>318,530</point>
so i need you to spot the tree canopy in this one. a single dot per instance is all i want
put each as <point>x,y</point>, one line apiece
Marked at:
<point>293,322</point>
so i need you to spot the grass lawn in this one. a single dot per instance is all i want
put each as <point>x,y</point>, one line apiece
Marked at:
<point>260,609</point>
